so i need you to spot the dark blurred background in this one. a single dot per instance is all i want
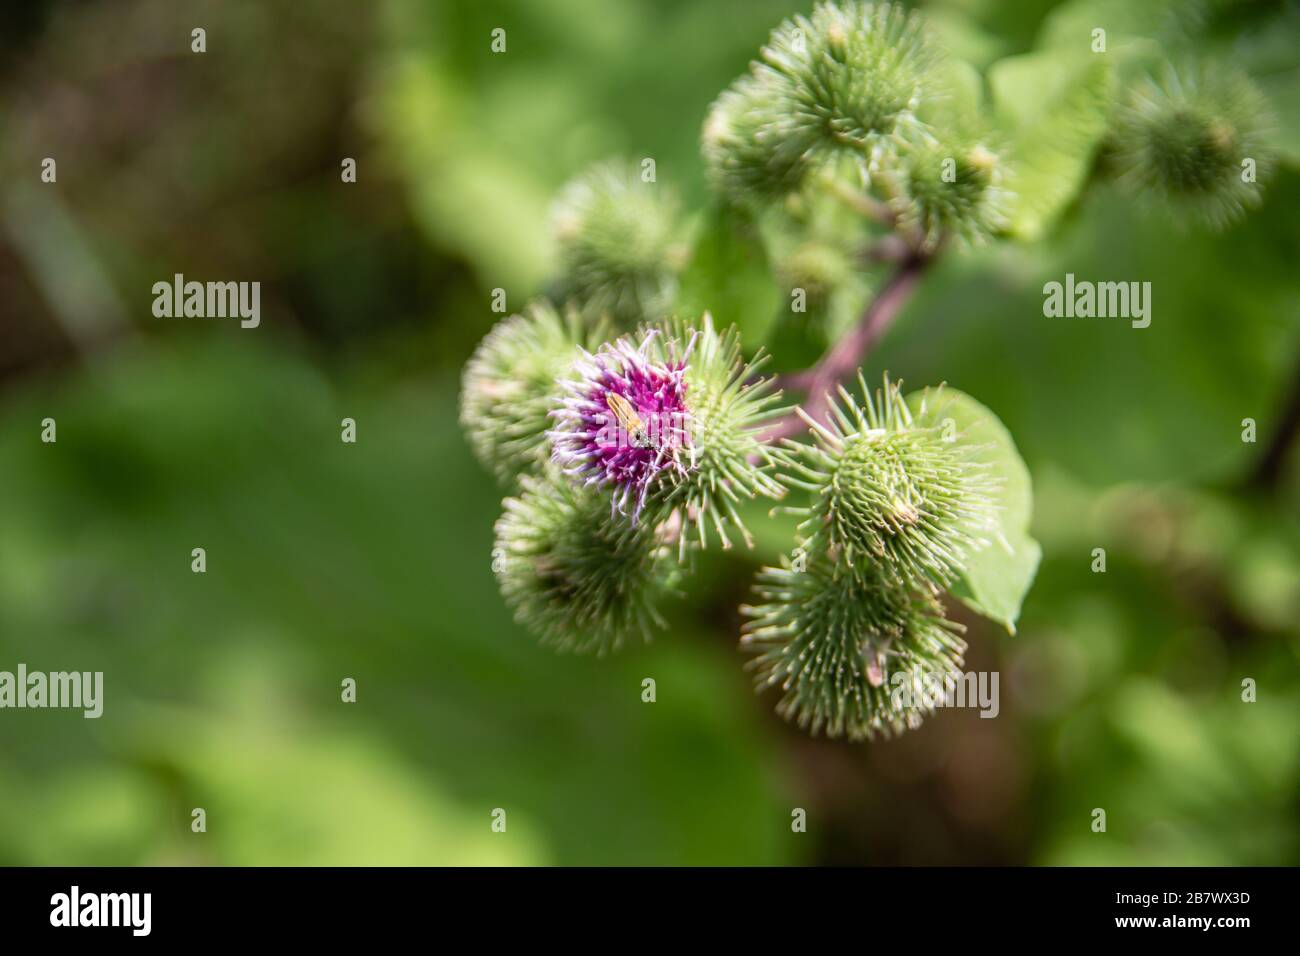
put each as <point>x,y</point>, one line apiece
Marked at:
<point>372,561</point>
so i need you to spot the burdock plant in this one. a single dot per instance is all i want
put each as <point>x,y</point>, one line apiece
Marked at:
<point>506,392</point>
<point>891,492</point>
<point>670,425</point>
<point>635,430</point>
<point>581,581</point>
<point>1195,140</point>
<point>838,644</point>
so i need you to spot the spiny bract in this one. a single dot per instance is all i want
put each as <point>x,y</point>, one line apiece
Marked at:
<point>952,189</point>
<point>1196,142</point>
<point>616,234</point>
<point>846,82</point>
<point>509,386</point>
<point>889,492</point>
<point>578,580</point>
<point>849,647</point>
<point>753,141</point>
<point>857,72</point>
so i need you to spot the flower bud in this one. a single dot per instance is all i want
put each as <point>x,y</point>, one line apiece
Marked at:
<point>891,493</point>
<point>509,386</point>
<point>616,236</point>
<point>1197,142</point>
<point>578,580</point>
<point>840,641</point>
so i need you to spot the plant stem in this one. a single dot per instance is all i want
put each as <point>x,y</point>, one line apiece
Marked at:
<point>1267,474</point>
<point>863,204</point>
<point>844,357</point>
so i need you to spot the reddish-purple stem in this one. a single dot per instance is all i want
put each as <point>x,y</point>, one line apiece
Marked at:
<point>845,356</point>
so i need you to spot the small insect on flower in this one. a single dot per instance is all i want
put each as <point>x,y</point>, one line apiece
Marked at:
<point>875,666</point>
<point>643,391</point>
<point>628,420</point>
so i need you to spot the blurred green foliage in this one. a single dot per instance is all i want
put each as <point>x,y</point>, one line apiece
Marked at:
<point>372,561</point>
<point>325,561</point>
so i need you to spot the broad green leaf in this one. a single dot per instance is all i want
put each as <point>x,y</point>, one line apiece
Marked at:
<point>1270,53</point>
<point>304,779</point>
<point>729,276</point>
<point>962,104</point>
<point>1072,24</point>
<point>1283,91</point>
<point>1052,106</point>
<point>997,578</point>
<point>996,581</point>
<point>1139,38</point>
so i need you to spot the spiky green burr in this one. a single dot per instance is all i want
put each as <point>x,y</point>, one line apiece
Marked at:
<point>845,82</point>
<point>616,237</point>
<point>510,385</point>
<point>579,580</point>
<point>755,144</point>
<point>839,641</point>
<point>1197,141</point>
<point>952,187</point>
<point>858,73</point>
<point>908,499</point>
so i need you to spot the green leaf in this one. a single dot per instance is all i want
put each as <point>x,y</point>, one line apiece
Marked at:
<point>962,99</point>
<point>1272,56</point>
<point>1052,106</point>
<point>1072,24</point>
<point>996,579</point>
<point>1141,38</point>
<point>729,275</point>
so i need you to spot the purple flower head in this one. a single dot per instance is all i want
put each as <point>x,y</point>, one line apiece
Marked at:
<point>623,421</point>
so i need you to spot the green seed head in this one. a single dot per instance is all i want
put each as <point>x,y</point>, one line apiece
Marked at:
<point>892,494</point>
<point>839,641</point>
<point>1197,142</point>
<point>509,385</point>
<point>616,235</point>
<point>858,73</point>
<point>577,577</point>
<point>817,267</point>
<point>1191,153</point>
<point>953,189</point>
<point>845,82</point>
<point>754,144</point>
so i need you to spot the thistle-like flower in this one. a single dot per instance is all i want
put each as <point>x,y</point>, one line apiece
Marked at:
<point>1196,141</point>
<point>886,491</point>
<point>853,650</point>
<point>952,189</point>
<point>671,425</point>
<point>859,73</point>
<point>624,420</point>
<point>848,81</point>
<point>616,236</point>
<point>578,580</point>
<point>728,405</point>
<point>510,385</point>
<point>753,141</point>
